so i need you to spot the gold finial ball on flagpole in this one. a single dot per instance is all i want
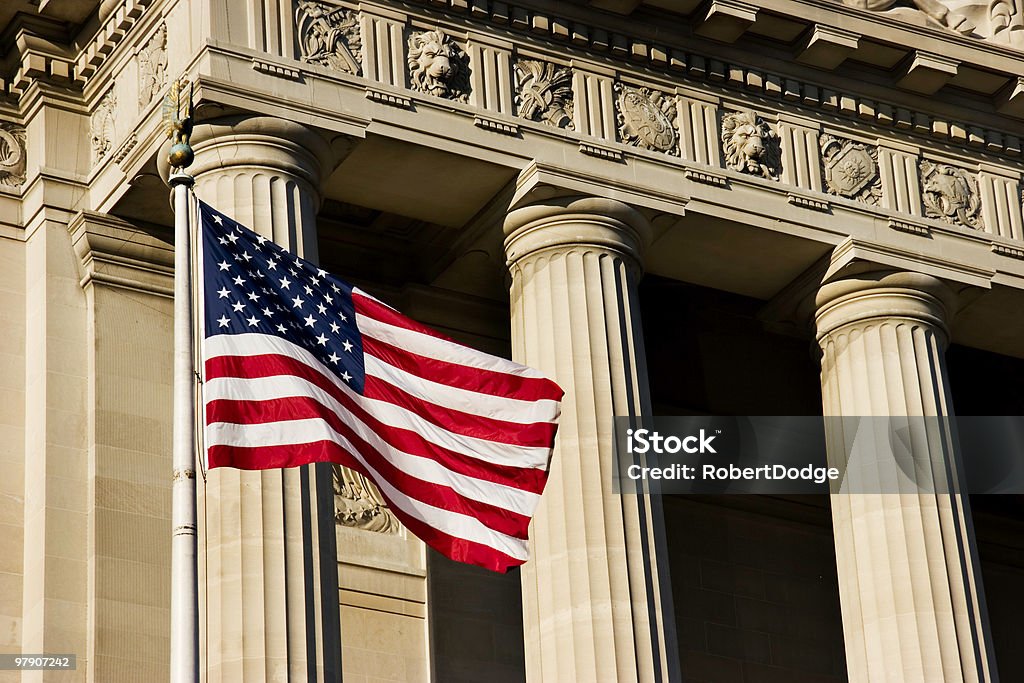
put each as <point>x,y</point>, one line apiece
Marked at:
<point>180,155</point>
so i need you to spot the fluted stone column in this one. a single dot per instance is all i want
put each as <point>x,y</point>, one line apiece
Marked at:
<point>596,594</point>
<point>909,578</point>
<point>270,604</point>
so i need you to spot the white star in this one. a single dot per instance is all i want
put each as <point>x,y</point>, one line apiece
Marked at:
<point>322,340</point>
<point>217,220</point>
<point>321,309</point>
<point>271,264</point>
<point>232,238</point>
<point>282,329</point>
<point>222,240</point>
<point>345,376</point>
<point>267,312</point>
<point>246,256</point>
<point>335,327</point>
<point>334,358</point>
<point>348,345</point>
<point>261,239</point>
<point>286,283</point>
<point>223,321</point>
<point>223,293</point>
<point>330,299</point>
<point>309,290</point>
<point>252,321</point>
<point>334,288</point>
<point>321,272</point>
<point>253,296</point>
<point>297,302</point>
<point>223,265</point>
<point>310,320</point>
<point>342,316</point>
<point>239,280</point>
<point>238,307</point>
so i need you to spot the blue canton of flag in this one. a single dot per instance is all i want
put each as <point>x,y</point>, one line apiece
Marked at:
<point>254,286</point>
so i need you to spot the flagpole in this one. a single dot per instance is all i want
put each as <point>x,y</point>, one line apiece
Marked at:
<point>184,664</point>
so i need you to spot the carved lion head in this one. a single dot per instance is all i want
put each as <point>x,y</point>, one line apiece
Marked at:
<point>436,64</point>
<point>748,144</point>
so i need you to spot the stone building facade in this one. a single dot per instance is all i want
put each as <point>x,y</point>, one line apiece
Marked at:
<point>804,207</point>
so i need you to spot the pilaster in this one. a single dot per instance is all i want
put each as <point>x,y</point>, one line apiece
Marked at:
<point>596,597</point>
<point>909,577</point>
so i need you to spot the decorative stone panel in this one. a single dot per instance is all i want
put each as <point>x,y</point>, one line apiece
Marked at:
<point>544,93</point>
<point>646,118</point>
<point>329,36</point>
<point>951,194</point>
<point>850,169</point>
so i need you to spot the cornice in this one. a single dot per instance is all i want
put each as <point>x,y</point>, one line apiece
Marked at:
<point>114,253</point>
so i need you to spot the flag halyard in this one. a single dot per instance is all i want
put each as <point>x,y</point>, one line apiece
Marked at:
<point>302,367</point>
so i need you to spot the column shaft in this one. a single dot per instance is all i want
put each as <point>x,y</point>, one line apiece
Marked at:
<point>271,591</point>
<point>596,596</point>
<point>909,578</point>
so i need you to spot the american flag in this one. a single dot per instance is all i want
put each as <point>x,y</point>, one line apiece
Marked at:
<point>302,367</point>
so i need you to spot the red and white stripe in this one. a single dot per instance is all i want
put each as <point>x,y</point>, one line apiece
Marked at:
<point>457,441</point>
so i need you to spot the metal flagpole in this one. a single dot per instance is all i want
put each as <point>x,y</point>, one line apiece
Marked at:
<point>184,569</point>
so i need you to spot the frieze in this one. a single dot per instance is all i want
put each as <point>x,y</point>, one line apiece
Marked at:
<point>646,118</point>
<point>101,126</point>
<point>12,155</point>
<point>329,36</point>
<point>152,61</point>
<point>544,93</point>
<point>850,169</point>
<point>438,66</point>
<point>950,194</point>
<point>750,145</point>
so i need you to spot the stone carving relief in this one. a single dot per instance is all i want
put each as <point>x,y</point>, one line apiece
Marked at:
<point>950,194</point>
<point>438,66</point>
<point>329,36</point>
<point>851,169</point>
<point>646,118</point>
<point>102,125</point>
<point>152,60</point>
<point>358,503</point>
<point>12,154</point>
<point>750,145</point>
<point>997,20</point>
<point>544,93</point>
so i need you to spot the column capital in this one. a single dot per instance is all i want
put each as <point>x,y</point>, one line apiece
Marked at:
<point>258,141</point>
<point>563,222</point>
<point>884,295</point>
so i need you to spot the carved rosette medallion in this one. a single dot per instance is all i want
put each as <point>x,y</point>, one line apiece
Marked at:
<point>646,118</point>
<point>329,36</point>
<point>544,93</point>
<point>12,154</point>
<point>101,125</point>
<point>750,145</point>
<point>438,66</point>
<point>851,169</point>
<point>951,194</point>
<point>358,503</point>
<point>152,61</point>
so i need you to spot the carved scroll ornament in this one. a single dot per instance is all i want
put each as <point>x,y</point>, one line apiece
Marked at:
<point>358,503</point>
<point>12,154</point>
<point>329,36</point>
<point>951,194</point>
<point>544,93</point>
